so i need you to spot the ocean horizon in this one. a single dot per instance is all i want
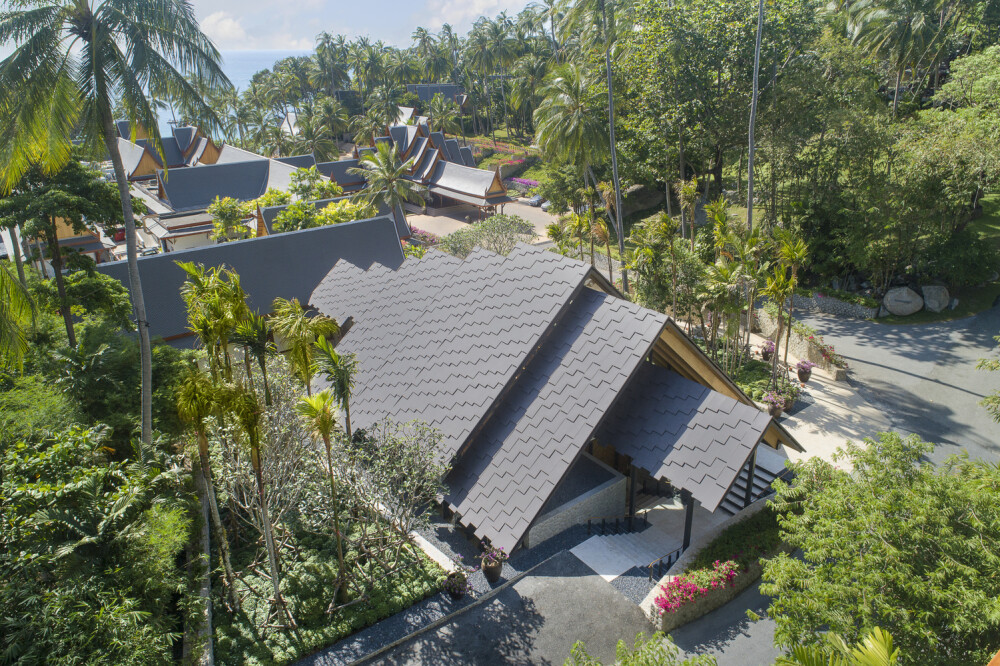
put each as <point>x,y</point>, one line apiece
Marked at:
<point>240,66</point>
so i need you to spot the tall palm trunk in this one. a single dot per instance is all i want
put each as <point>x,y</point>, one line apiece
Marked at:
<point>753,115</point>
<point>611,275</point>
<point>895,92</point>
<point>614,147</point>
<point>220,529</point>
<point>52,238</point>
<point>265,519</point>
<point>341,570</point>
<point>791,305</point>
<point>135,284</point>
<point>18,249</point>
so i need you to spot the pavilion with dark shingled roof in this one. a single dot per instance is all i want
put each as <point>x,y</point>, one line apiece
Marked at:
<point>525,364</point>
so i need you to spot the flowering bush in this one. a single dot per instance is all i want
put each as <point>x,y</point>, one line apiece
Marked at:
<point>829,355</point>
<point>695,584</point>
<point>493,556</point>
<point>805,366</point>
<point>421,237</point>
<point>773,399</point>
<point>527,182</point>
<point>521,161</point>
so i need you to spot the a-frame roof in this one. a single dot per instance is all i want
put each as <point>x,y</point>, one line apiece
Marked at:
<point>519,361</point>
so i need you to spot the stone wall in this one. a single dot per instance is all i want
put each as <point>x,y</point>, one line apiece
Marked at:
<point>798,346</point>
<point>833,306</point>
<point>667,622</point>
<point>607,499</point>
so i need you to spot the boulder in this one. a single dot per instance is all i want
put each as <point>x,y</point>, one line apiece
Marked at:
<point>902,301</point>
<point>936,298</point>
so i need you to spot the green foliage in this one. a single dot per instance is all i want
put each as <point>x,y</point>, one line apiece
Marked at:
<point>891,544</point>
<point>310,185</point>
<point>874,649</point>
<point>497,233</point>
<point>992,401</point>
<point>657,649</point>
<point>273,197</point>
<point>344,211</point>
<point>31,407</point>
<point>88,293</point>
<point>91,549</point>
<point>744,542</point>
<point>298,215</point>
<point>229,219</point>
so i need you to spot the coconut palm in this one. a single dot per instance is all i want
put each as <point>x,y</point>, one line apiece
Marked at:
<point>567,127</point>
<point>196,401</point>
<point>72,60</point>
<point>15,313</point>
<point>367,126</point>
<point>339,369</point>
<point>299,332</point>
<point>385,174</point>
<point>443,115</point>
<point>318,412</point>
<point>687,195</point>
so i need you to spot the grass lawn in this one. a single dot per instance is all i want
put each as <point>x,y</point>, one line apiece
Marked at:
<point>970,300</point>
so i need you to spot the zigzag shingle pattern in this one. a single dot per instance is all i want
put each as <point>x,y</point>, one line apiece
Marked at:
<point>514,464</point>
<point>679,430</point>
<point>438,339</point>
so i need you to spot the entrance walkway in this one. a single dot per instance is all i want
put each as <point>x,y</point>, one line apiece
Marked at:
<point>534,621</point>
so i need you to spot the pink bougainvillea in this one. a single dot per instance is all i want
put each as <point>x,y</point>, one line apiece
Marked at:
<point>693,585</point>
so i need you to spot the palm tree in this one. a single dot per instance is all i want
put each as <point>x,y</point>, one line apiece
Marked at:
<point>792,253</point>
<point>687,195</point>
<point>317,411</point>
<point>551,10</point>
<point>332,115</point>
<point>254,335</point>
<point>299,332</point>
<point>385,176</point>
<point>443,115</point>
<point>874,649</point>
<point>243,406</point>
<point>15,311</point>
<point>196,401</point>
<point>599,232</point>
<point>567,127</point>
<point>339,369</point>
<point>367,125</point>
<point>778,288</point>
<point>73,59</point>
<point>753,114</point>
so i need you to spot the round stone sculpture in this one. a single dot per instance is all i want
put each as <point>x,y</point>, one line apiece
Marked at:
<point>902,301</point>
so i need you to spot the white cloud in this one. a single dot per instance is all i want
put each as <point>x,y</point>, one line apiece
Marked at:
<point>226,31</point>
<point>460,12</point>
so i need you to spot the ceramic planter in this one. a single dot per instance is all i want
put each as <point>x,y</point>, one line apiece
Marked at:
<point>789,403</point>
<point>766,354</point>
<point>804,375</point>
<point>774,411</point>
<point>492,571</point>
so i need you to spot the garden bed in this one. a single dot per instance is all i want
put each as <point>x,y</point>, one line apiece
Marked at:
<point>731,561</point>
<point>805,343</point>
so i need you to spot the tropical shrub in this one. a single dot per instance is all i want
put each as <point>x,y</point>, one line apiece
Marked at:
<point>497,233</point>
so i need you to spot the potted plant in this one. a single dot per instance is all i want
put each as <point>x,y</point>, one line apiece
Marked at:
<point>492,563</point>
<point>457,583</point>
<point>767,349</point>
<point>804,370</point>
<point>775,403</point>
<point>790,394</point>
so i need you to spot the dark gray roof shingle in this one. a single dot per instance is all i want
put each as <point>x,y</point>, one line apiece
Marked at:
<point>503,481</point>
<point>677,429</point>
<point>299,161</point>
<point>287,265</point>
<point>438,339</point>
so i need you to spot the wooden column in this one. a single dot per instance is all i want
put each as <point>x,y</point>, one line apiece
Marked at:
<point>752,470</point>
<point>688,503</point>
<point>631,496</point>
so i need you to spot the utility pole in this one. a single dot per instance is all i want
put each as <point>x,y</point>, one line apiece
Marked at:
<point>614,150</point>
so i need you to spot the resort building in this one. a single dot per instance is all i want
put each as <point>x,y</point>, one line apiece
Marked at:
<point>186,147</point>
<point>557,399</point>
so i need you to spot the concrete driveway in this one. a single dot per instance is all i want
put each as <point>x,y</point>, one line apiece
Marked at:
<point>535,621</point>
<point>442,225</point>
<point>923,377</point>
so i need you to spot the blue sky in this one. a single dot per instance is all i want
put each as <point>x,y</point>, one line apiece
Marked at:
<point>294,24</point>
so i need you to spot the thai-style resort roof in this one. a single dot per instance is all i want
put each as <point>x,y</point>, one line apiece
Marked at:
<point>197,188</point>
<point>520,362</point>
<point>288,265</point>
<point>299,161</point>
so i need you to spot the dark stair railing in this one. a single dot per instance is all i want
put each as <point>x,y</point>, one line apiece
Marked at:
<point>664,563</point>
<point>617,524</point>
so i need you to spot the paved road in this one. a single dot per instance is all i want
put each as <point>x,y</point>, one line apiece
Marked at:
<point>535,621</point>
<point>924,377</point>
<point>728,635</point>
